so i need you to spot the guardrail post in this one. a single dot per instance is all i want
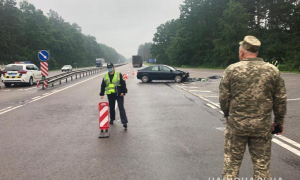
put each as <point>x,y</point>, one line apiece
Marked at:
<point>43,78</point>
<point>76,76</point>
<point>71,78</point>
<point>66,79</point>
<point>52,84</point>
<point>82,74</point>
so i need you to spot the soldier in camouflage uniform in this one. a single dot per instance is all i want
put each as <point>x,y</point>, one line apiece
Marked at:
<point>249,91</point>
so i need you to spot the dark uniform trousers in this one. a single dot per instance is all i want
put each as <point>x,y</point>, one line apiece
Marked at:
<point>112,103</point>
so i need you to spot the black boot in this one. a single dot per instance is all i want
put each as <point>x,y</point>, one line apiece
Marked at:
<point>111,122</point>
<point>125,126</point>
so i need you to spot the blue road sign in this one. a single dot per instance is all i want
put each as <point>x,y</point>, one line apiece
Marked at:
<point>44,55</point>
<point>151,60</point>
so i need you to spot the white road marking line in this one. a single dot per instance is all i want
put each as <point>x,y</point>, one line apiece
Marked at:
<point>192,87</point>
<point>36,97</point>
<point>11,109</point>
<point>20,89</point>
<point>211,106</point>
<point>6,90</point>
<point>293,99</point>
<point>209,101</point>
<point>5,108</point>
<point>48,94</point>
<point>294,143</point>
<point>280,143</point>
<point>212,96</point>
<point>200,91</point>
<point>221,128</point>
<point>29,88</point>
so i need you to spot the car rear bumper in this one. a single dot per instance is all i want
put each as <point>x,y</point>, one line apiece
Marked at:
<point>14,80</point>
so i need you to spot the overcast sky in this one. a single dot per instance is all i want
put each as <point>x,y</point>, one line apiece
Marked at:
<point>121,24</point>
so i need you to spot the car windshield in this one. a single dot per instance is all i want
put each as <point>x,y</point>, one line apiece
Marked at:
<point>66,66</point>
<point>13,68</point>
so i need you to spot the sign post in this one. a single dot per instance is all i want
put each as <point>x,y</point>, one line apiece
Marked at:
<point>44,57</point>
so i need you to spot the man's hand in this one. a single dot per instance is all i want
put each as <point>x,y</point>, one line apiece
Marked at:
<point>122,94</point>
<point>102,97</point>
<point>281,126</point>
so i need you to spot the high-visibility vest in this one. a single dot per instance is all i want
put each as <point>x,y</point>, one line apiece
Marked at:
<point>111,86</point>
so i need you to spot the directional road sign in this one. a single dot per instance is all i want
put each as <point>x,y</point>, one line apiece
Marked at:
<point>44,55</point>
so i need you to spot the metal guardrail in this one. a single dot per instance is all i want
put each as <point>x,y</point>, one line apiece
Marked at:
<point>79,73</point>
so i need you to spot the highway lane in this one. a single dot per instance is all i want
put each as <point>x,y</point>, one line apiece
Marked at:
<point>172,134</point>
<point>26,87</point>
<point>20,94</point>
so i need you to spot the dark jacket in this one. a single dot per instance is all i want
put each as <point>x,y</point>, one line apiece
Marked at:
<point>120,89</point>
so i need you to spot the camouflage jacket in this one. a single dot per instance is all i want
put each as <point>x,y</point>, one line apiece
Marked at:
<point>248,92</point>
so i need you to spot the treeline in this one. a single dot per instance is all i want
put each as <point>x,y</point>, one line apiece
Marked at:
<point>207,32</point>
<point>144,50</point>
<point>25,30</point>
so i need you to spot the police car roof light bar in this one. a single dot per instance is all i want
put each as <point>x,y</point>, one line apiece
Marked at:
<point>23,62</point>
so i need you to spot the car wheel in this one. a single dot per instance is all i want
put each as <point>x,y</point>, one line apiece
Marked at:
<point>178,79</point>
<point>30,82</point>
<point>7,84</point>
<point>145,79</point>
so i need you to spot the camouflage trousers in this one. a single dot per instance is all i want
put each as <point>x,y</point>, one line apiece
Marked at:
<point>260,151</point>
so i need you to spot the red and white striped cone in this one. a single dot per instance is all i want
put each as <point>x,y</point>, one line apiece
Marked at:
<point>103,119</point>
<point>37,83</point>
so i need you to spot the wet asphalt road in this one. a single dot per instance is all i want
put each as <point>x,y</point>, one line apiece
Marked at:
<point>172,133</point>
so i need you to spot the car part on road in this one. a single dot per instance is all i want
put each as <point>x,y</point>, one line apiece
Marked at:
<point>203,79</point>
<point>214,77</point>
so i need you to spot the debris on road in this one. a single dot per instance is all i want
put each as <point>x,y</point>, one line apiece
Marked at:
<point>203,79</point>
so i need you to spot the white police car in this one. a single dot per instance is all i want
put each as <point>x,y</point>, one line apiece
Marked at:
<point>20,73</point>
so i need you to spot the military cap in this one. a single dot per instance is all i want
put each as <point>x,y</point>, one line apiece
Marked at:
<point>110,65</point>
<point>250,43</point>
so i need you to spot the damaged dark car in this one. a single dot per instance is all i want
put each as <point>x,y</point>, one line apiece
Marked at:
<point>161,72</point>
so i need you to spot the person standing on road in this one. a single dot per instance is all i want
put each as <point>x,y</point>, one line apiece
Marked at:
<point>249,91</point>
<point>115,88</point>
<point>275,63</point>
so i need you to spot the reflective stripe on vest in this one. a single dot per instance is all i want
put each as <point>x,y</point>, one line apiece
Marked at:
<point>111,86</point>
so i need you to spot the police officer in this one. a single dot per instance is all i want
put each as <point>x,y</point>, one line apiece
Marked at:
<point>275,63</point>
<point>249,91</point>
<point>115,88</point>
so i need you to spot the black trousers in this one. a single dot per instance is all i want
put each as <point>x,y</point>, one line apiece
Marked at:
<point>112,103</point>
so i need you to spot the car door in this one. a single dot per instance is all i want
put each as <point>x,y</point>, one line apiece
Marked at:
<point>154,73</point>
<point>165,73</point>
<point>37,73</point>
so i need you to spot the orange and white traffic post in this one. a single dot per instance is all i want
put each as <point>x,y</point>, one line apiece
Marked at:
<point>133,72</point>
<point>103,119</point>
